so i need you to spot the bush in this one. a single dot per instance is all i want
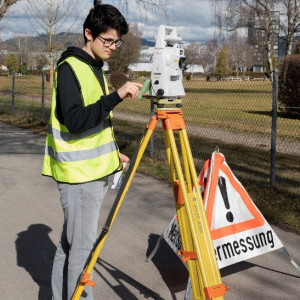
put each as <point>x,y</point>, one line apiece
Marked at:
<point>188,76</point>
<point>288,82</point>
<point>34,72</point>
<point>117,79</point>
<point>250,74</point>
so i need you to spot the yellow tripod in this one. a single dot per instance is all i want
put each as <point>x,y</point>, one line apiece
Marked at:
<point>198,249</point>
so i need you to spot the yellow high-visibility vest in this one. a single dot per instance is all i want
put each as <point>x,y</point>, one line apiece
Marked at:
<point>85,156</point>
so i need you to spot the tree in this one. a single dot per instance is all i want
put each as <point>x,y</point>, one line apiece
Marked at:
<point>41,61</point>
<point>5,5</point>
<point>12,63</point>
<point>222,66</point>
<point>209,54</point>
<point>192,54</point>
<point>22,47</point>
<point>128,53</point>
<point>290,13</point>
<point>51,15</point>
<point>240,52</point>
<point>144,5</point>
<point>260,16</point>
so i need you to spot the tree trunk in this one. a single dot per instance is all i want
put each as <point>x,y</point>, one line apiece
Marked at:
<point>5,6</point>
<point>51,66</point>
<point>269,45</point>
<point>51,60</point>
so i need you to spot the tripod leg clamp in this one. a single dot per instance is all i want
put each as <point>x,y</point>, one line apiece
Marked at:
<point>187,255</point>
<point>178,192</point>
<point>86,279</point>
<point>215,291</point>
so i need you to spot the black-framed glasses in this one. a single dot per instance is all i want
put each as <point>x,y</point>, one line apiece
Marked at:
<point>110,42</point>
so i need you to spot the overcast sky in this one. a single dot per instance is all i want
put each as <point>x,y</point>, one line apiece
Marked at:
<point>192,19</point>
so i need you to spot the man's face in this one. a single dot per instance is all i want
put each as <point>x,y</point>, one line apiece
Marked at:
<point>103,45</point>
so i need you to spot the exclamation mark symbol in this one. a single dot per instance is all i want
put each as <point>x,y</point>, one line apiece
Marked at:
<point>222,187</point>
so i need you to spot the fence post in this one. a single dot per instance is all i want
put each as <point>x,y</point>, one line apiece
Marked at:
<point>274,128</point>
<point>13,93</point>
<point>43,98</point>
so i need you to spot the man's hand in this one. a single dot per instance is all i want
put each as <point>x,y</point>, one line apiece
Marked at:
<point>124,159</point>
<point>129,89</point>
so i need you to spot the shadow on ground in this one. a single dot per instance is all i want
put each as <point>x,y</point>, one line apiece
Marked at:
<point>35,253</point>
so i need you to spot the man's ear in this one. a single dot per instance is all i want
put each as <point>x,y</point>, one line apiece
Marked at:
<point>88,35</point>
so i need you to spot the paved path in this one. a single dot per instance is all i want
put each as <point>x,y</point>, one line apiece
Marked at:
<point>31,220</point>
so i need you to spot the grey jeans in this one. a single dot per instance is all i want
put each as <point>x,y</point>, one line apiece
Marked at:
<point>81,205</point>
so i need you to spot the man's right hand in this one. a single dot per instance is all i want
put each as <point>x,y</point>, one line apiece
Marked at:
<point>129,89</point>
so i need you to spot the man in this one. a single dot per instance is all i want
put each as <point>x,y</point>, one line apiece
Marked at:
<point>81,150</point>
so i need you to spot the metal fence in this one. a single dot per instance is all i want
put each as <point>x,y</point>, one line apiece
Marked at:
<point>242,118</point>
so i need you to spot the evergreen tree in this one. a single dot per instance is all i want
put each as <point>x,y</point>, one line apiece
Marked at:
<point>222,68</point>
<point>12,63</point>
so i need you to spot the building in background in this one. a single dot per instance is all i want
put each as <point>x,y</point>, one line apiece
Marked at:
<point>257,33</point>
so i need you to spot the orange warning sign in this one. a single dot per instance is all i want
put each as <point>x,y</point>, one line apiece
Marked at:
<point>229,209</point>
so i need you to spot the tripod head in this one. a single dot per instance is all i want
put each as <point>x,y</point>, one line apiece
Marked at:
<point>167,66</point>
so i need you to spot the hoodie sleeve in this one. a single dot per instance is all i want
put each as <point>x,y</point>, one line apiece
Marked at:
<point>70,109</point>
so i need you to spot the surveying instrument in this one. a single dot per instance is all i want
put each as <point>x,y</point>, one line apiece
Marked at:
<point>165,89</point>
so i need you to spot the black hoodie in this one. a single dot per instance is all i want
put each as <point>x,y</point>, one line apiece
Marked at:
<point>70,110</point>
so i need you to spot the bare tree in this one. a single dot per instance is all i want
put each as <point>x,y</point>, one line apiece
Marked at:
<point>5,5</point>
<point>209,54</point>
<point>193,54</point>
<point>240,52</point>
<point>290,24</point>
<point>257,15</point>
<point>144,6</point>
<point>22,46</point>
<point>50,17</point>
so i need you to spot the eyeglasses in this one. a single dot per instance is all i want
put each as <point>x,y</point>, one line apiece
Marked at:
<point>110,42</point>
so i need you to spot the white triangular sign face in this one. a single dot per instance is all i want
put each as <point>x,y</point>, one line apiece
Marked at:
<point>239,231</point>
<point>226,212</point>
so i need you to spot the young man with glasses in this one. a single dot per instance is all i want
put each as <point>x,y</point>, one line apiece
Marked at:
<point>81,150</point>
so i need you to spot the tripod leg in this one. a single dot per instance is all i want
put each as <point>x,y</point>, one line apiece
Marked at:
<point>203,238</point>
<point>85,279</point>
<point>194,220</point>
<point>195,278</point>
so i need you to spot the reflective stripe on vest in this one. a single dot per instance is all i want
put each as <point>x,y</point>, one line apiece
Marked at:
<point>86,156</point>
<point>80,155</point>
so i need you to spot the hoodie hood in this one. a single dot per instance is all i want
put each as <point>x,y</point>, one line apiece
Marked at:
<point>82,55</point>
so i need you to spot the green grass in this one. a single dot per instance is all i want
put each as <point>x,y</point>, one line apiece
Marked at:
<point>244,107</point>
<point>236,106</point>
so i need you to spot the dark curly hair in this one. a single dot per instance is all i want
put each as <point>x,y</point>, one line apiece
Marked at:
<point>104,17</point>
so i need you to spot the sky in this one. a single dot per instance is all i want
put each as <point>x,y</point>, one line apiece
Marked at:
<point>192,18</point>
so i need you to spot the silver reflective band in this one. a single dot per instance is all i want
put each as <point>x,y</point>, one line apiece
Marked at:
<point>68,136</point>
<point>81,155</point>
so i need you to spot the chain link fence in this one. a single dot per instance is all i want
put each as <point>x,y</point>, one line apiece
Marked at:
<point>241,118</point>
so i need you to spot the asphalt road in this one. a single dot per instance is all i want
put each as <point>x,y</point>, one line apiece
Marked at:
<point>31,221</point>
